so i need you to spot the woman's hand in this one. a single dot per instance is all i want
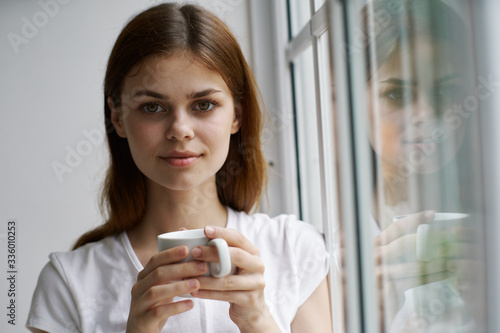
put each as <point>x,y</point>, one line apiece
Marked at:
<point>244,290</point>
<point>157,285</point>
<point>469,276</point>
<point>398,268</point>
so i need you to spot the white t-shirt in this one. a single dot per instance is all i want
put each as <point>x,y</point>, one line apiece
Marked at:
<point>88,289</point>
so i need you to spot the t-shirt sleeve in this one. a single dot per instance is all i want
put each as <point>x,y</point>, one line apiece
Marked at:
<point>52,307</point>
<point>311,255</point>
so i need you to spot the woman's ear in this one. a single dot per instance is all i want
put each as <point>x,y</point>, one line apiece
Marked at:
<point>238,110</point>
<point>116,118</point>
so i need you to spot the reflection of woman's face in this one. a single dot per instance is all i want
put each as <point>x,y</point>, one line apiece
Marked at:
<point>409,96</point>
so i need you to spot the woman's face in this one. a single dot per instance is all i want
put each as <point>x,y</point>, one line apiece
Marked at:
<point>177,117</point>
<point>411,99</point>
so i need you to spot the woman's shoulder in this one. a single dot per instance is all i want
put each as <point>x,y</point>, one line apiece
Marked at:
<point>90,258</point>
<point>284,226</point>
<point>87,285</point>
<point>90,250</point>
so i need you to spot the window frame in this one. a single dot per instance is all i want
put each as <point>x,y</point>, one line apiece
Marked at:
<point>343,155</point>
<point>338,151</point>
<point>310,36</point>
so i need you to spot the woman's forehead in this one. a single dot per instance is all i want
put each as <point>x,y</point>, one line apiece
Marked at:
<point>424,62</point>
<point>158,63</point>
<point>158,70</point>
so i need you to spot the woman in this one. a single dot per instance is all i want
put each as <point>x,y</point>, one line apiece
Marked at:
<point>184,127</point>
<point>419,72</point>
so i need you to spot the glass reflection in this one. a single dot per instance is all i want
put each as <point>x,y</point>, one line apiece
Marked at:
<point>426,214</point>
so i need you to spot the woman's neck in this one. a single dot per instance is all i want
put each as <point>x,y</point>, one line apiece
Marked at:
<point>392,197</point>
<point>398,194</point>
<point>169,210</point>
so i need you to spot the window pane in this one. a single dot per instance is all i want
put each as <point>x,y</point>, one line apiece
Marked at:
<point>318,4</point>
<point>300,14</point>
<point>413,68</point>
<point>307,138</point>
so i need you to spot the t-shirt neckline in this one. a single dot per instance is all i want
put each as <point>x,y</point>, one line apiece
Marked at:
<point>231,215</point>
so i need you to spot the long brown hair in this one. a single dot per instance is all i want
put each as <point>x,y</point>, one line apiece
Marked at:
<point>164,30</point>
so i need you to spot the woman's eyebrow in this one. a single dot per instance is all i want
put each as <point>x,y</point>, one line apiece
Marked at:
<point>150,93</point>
<point>202,93</point>
<point>400,82</point>
<point>193,95</point>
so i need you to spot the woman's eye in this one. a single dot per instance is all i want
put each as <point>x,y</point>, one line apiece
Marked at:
<point>204,106</point>
<point>399,94</point>
<point>152,108</point>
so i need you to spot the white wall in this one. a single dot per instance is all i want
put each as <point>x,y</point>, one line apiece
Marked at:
<point>52,105</point>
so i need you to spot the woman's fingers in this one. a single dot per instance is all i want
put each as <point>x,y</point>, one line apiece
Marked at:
<point>440,244</point>
<point>466,269</point>
<point>152,297</point>
<point>232,282</point>
<point>154,318</point>
<point>232,288</point>
<point>162,258</point>
<point>413,269</point>
<point>232,237</point>
<point>163,312</point>
<point>401,249</point>
<point>240,258</point>
<point>403,226</point>
<point>242,298</point>
<point>463,234</point>
<point>245,291</point>
<point>163,294</point>
<point>165,274</point>
<point>412,282</point>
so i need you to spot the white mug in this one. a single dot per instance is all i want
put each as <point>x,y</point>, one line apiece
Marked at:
<point>425,244</point>
<point>434,300</point>
<point>196,237</point>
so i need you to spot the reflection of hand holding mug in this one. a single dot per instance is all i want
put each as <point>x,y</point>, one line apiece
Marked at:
<point>194,238</point>
<point>428,236</point>
<point>432,300</point>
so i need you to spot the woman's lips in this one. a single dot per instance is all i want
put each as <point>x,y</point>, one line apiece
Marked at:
<point>423,144</point>
<point>181,159</point>
<point>419,139</point>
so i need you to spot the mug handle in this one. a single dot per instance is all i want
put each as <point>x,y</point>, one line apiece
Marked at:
<point>223,267</point>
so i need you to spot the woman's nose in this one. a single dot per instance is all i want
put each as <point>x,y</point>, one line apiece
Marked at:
<point>423,111</point>
<point>180,126</point>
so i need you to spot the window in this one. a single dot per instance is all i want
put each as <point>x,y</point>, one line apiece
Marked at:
<point>308,58</point>
<point>307,54</point>
<point>389,165</point>
<point>412,215</point>
<point>299,15</point>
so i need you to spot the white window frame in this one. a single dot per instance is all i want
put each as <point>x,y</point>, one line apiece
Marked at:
<point>281,54</point>
<point>341,198</point>
<point>338,196</point>
<point>309,37</point>
<point>269,39</point>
